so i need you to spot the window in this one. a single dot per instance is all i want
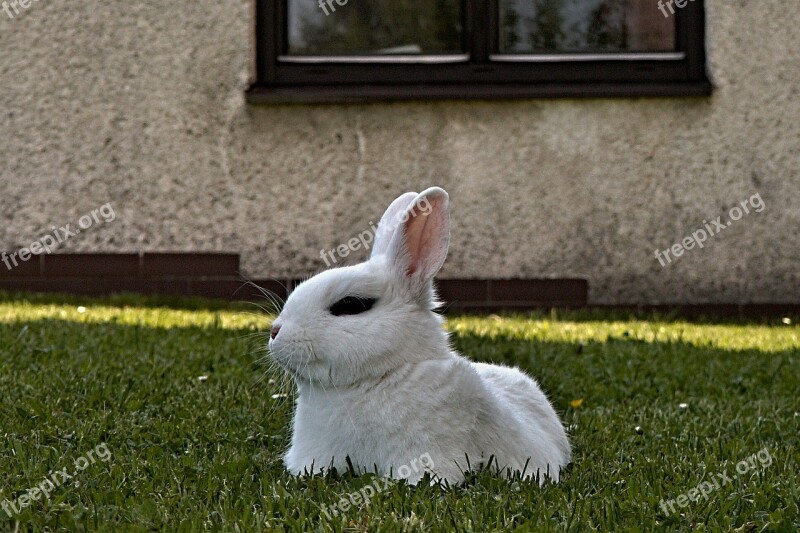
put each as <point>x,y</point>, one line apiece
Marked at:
<point>356,50</point>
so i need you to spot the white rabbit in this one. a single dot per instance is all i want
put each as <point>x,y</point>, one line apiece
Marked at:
<point>376,377</point>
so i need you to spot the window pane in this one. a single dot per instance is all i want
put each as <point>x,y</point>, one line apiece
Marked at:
<point>584,26</point>
<point>369,27</point>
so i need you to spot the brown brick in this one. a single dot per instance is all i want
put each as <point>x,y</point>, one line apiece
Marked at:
<point>190,264</point>
<point>91,265</point>
<point>537,292</point>
<point>463,290</point>
<point>32,268</point>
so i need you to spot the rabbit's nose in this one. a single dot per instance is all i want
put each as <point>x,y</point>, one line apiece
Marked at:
<point>276,328</point>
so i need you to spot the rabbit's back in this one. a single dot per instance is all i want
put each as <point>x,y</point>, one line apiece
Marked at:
<point>534,432</point>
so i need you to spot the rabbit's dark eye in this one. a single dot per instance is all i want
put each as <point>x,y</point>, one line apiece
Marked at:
<point>352,305</point>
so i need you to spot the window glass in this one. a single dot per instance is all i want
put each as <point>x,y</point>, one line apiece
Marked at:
<point>585,26</point>
<point>375,27</point>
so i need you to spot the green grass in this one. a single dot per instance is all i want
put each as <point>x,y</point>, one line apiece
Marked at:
<point>190,454</point>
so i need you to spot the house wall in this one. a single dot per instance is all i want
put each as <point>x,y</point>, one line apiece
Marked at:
<point>141,105</point>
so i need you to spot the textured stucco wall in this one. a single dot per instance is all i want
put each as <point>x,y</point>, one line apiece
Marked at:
<point>142,105</point>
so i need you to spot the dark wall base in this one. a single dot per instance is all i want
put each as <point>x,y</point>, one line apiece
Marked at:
<point>218,276</point>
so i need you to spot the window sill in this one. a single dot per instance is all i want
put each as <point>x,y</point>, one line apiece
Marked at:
<point>339,94</point>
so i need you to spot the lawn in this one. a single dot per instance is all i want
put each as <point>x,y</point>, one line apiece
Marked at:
<point>164,419</point>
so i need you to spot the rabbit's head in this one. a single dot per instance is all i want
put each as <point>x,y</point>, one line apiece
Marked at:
<point>359,322</point>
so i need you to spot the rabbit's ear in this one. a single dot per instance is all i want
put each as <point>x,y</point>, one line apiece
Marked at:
<point>389,222</point>
<point>419,246</point>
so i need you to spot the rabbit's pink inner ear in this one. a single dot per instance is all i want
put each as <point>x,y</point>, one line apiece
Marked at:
<point>427,235</point>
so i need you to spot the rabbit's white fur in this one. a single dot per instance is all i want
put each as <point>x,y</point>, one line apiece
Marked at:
<point>383,387</point>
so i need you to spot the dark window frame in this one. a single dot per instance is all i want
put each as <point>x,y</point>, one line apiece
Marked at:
<point>277,81</point>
